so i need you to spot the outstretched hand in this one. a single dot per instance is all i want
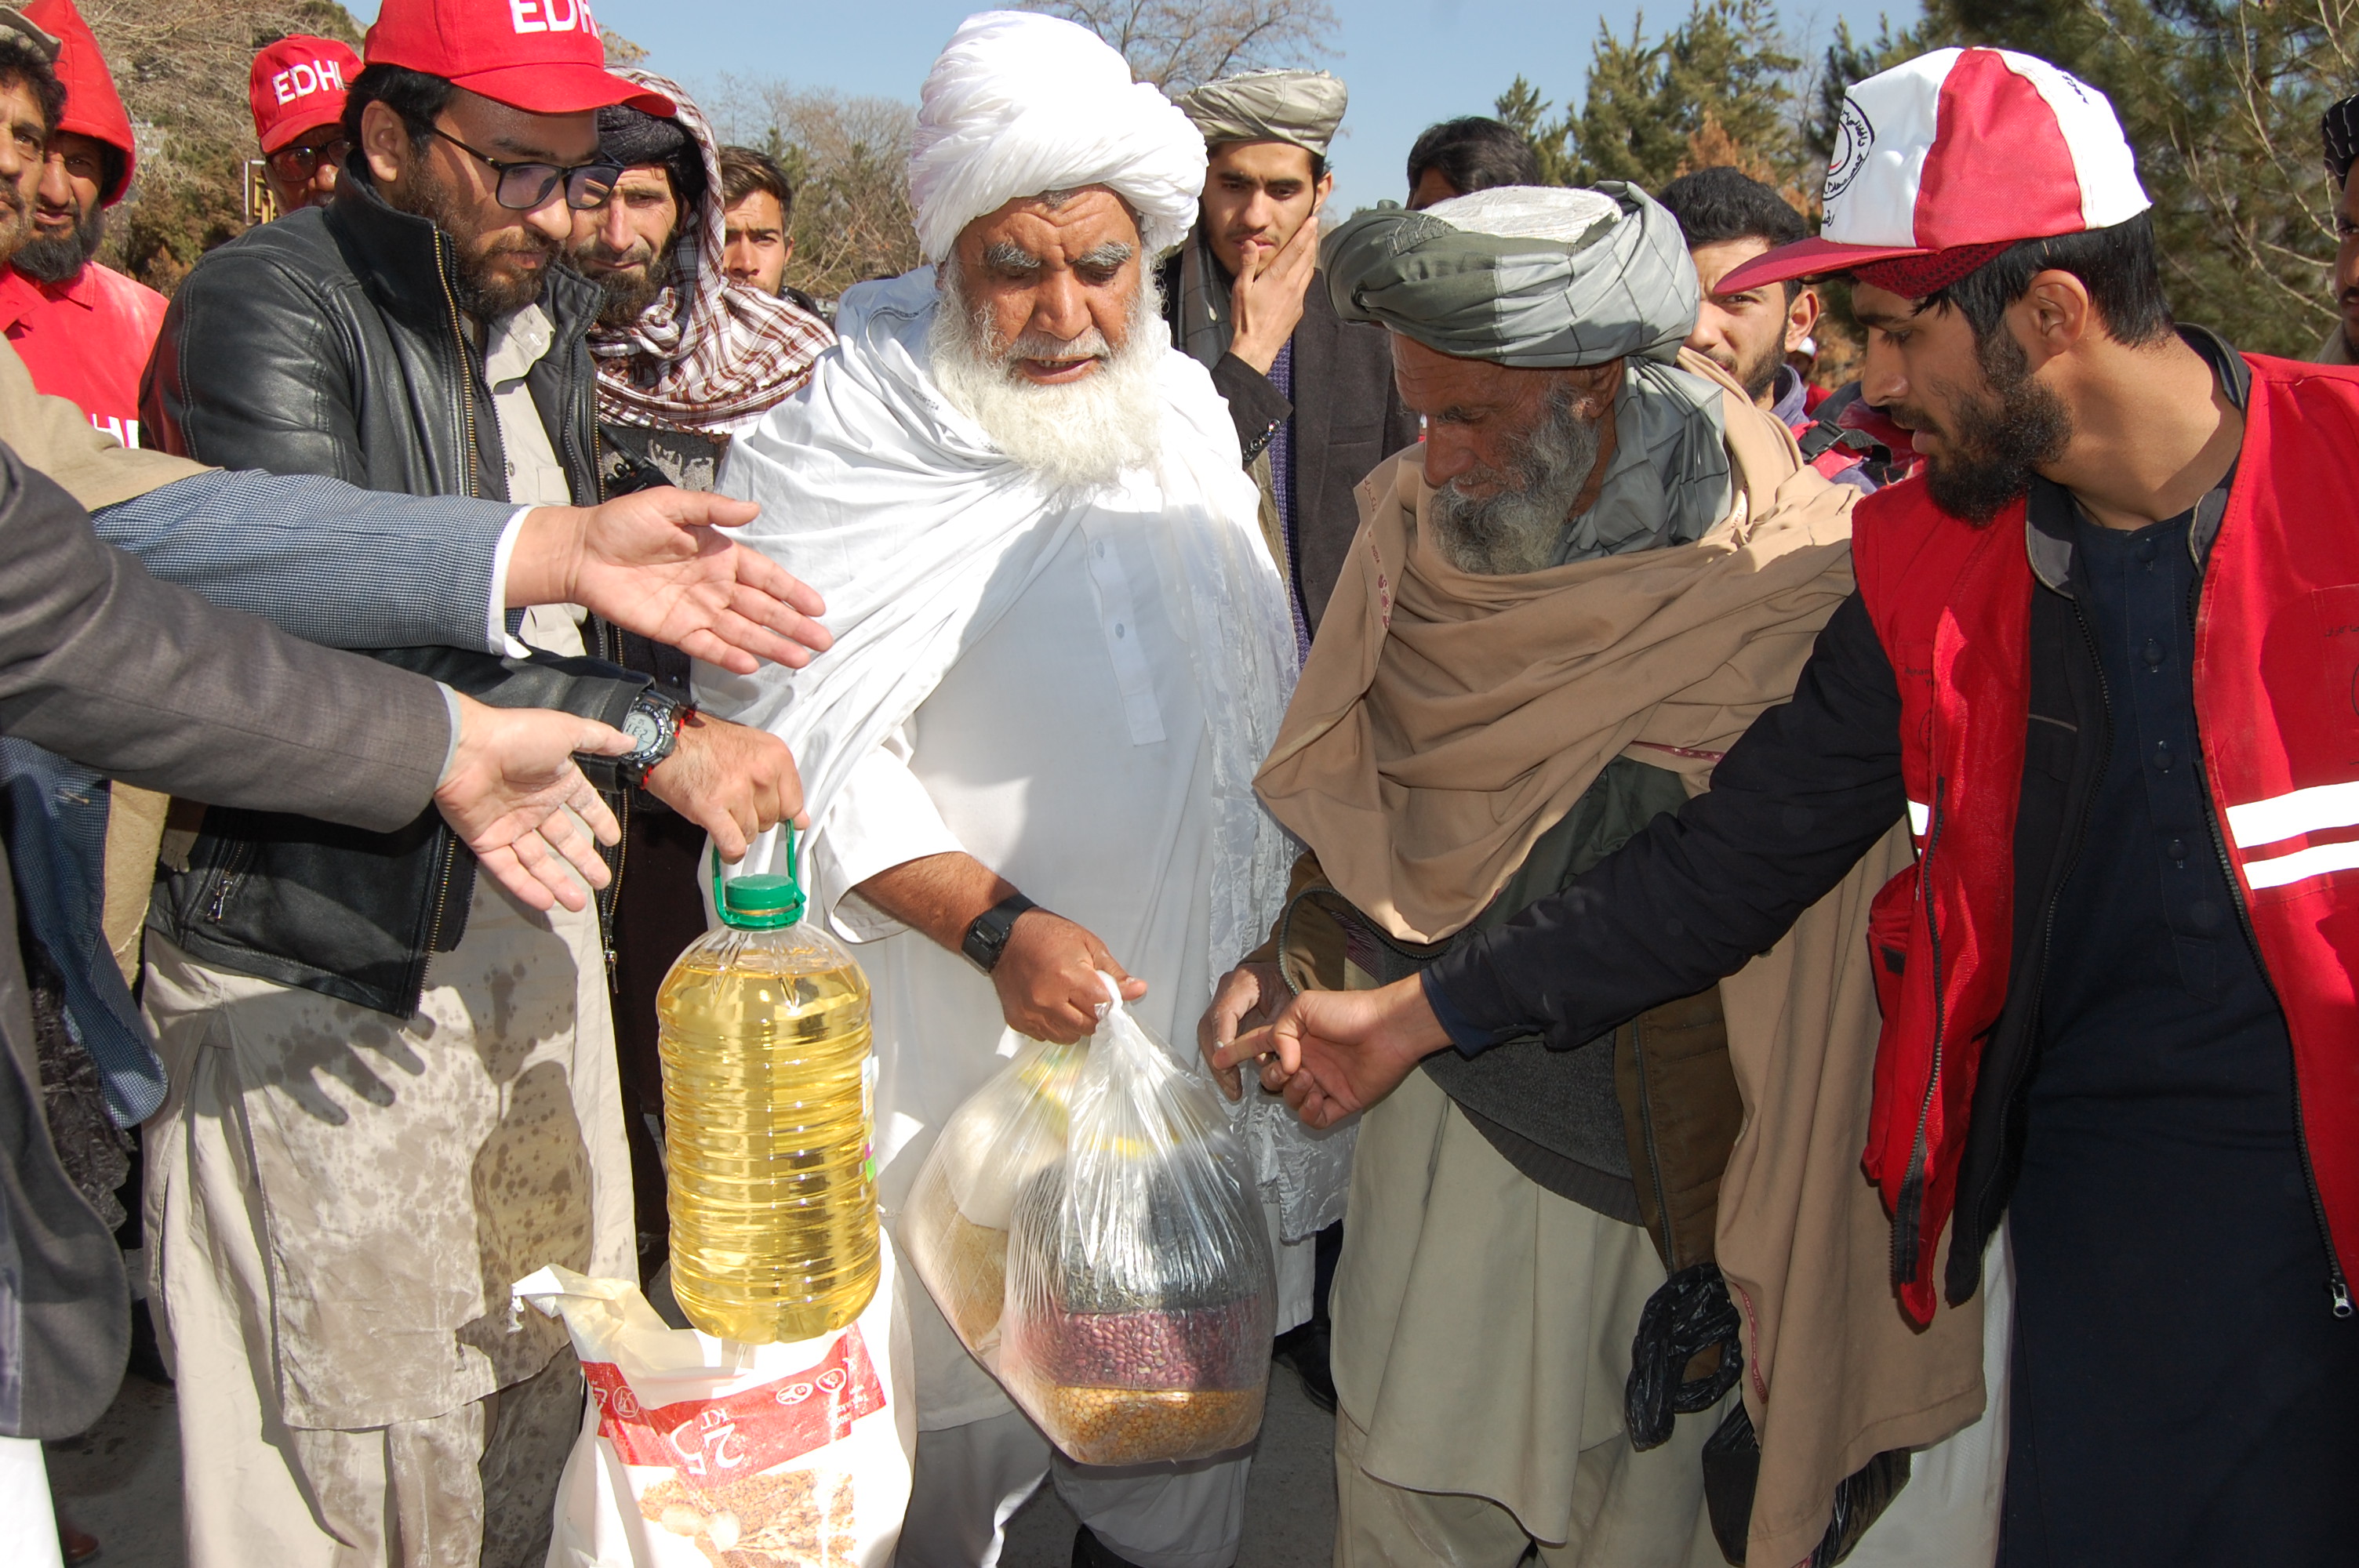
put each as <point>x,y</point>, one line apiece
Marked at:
<point>1331,1054</point>
<point>653,562</point>
<point>1248,997</point>
<point>514,795</point>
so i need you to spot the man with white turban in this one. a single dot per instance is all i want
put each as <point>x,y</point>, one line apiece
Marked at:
<point>1060,653</point>
<point>1603,566</point>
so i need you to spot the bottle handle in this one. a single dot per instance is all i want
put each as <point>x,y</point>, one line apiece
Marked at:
<point>794,870</point>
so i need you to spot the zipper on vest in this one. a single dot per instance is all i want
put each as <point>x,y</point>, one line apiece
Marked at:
<point>1908,1211</point>
<point>473,458</point>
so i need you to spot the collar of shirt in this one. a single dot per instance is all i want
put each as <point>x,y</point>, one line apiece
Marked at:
<point>21,296</point>
<point>1790,398</point>
<point>515,343</point>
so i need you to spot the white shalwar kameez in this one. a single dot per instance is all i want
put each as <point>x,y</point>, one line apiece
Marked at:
<point>1023,678</point>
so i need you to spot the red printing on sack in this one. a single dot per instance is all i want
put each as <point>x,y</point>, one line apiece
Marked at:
<point>710,1443</point>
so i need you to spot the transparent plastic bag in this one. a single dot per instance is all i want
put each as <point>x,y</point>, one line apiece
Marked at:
<point>1089,1226</point>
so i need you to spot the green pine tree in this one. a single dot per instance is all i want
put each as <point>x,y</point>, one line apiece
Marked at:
<point>1522,107</point>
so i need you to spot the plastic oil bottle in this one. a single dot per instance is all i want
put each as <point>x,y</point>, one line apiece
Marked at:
<point>764,1034</point>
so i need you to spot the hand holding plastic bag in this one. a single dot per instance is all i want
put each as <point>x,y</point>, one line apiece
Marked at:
<point>1088,1224</point>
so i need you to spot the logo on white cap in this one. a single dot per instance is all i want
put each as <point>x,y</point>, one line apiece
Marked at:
<point>1853,137</point>
<point>1969,146</point>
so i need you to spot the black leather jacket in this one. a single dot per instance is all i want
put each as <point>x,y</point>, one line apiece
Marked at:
<point>331,342</point>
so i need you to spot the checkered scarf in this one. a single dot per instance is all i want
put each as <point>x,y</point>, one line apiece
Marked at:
<point>707,354</point>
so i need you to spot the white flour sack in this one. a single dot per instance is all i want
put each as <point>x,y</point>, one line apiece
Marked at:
<point>703,1453</point>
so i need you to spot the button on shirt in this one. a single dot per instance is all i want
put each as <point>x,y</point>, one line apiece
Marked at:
<point>516,343</point>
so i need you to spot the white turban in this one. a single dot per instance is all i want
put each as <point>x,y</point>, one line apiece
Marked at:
<point>1020,104</point>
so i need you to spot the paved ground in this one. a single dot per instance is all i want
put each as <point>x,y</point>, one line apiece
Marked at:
<point>121,1482</point>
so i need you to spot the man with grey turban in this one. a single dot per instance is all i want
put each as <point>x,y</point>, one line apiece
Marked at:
<point>1060,656</point>
<point>1312,396</point>
<point>1604,562</point>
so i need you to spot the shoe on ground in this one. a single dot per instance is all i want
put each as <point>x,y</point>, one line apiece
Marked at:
<point>1305,1349</point>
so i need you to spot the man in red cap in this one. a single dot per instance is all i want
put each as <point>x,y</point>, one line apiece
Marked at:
<point>296,93</point>
<point>352,1381</point>
<point>83,330</point>
<point>2101,653</point>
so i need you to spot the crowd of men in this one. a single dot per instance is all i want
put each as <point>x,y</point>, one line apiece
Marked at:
<point>1778,954</point>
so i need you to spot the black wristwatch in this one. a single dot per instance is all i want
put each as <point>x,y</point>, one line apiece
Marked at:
<point>652,724</point>
<point>986,939</point>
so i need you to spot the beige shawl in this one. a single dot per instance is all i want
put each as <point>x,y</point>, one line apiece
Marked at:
<point>1445,721</point>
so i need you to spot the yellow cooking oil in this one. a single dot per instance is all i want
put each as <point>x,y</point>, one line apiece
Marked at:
<point>763,1032</point>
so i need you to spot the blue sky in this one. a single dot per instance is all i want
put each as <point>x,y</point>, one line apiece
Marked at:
<point>1407,62</point>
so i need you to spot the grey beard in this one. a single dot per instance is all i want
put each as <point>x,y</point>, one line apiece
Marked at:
<point>1073,437</point>
<point>60,260</point>
<point>1522,528</point>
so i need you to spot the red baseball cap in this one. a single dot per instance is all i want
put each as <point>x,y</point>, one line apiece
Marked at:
<point>1945,160</point>
<point>297,85</point>
<point>93,108</point>
<point>544,57</point>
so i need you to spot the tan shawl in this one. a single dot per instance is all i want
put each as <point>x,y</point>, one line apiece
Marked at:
<point>1445,721</point>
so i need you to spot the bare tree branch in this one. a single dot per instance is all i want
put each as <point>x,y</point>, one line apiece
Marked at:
<point>1177,43</point>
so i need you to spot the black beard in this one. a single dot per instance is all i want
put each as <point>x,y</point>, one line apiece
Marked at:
<point>1997,442</point>
<point>1760,377</point>
<point>477,291</point>
<point>625,294</point>
<point>62,260</point>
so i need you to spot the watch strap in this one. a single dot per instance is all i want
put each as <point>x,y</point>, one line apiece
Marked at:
<point>986,939</point>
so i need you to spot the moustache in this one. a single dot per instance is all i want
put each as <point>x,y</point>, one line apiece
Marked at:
<point>1090,345</point>
<point>528,246</point>
<point>1910,417</point>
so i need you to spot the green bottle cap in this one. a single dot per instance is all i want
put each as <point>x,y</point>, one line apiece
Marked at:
<point>761,903</point>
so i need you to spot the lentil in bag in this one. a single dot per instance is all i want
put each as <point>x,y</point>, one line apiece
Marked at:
<point>1089,1226</point>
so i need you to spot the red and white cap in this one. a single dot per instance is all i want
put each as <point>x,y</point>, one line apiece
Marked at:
<point>544,57</point>
<point>1943,162</point>
<point>297,85</point>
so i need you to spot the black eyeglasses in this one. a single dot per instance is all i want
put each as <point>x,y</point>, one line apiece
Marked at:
<point>526,187</point>
<point>292,163</point>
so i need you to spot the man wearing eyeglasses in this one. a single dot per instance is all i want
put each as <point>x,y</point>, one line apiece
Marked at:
<point>296,93</point>
<point>82,330</point>
<point>423,1104</point>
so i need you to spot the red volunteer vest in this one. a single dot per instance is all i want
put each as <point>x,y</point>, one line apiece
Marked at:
<point>2277,706</point>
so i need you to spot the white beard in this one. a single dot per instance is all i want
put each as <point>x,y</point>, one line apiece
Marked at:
<point>1074,435</point>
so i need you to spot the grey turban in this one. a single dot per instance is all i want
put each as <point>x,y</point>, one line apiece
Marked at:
<point>1303,107</point>
<point>1537,276</point>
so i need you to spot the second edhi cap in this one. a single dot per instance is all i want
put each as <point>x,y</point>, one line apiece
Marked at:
<point>544,57</point>
<point>1943,161</point>
<point>297,85</point>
